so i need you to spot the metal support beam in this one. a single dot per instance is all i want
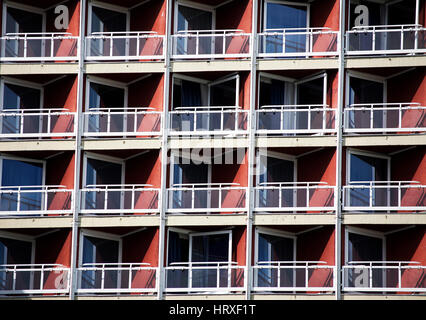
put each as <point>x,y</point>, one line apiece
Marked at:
<point>164,155</point>
<point>77,155</point>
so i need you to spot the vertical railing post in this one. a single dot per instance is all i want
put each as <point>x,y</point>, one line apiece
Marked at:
<point>41,277</point>
<point>370,276</point>
<point>14,278</point>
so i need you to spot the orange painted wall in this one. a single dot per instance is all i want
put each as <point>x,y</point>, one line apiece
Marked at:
<point>239,241</point>
<point>60,170</point>
<point>235,15</point>
<point>325,13</point>
<point>147,93</point>
<point>323,170</point>
<point>74,18</point>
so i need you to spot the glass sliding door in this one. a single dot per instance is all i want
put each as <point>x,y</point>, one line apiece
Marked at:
<point>19,173</point>
<point>364,92</point>
<point>365,171</point>
<point>185,174</point>
<point>191,18</point>
<point>272,249</point>
<point>177,255</point>
<point>365,248</point>
<point>104,21</point>
<point>97,251</point>
<point>290,16</point>
<point>15,98</point>
<point>311,92</point>
<point>272,172</point>
<point>100,172</point>
<point>23,21</point>
<point>108,100</point>
<point>15,252</point>
<point>210,248</point>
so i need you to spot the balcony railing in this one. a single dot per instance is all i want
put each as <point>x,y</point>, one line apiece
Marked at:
<point>16,47</point>
<point>207,198</point>
<point>386,39</point>
<point>295,119</point>
<point>208,121</point>
<point>293,276</point>
<point>119,199</point>
<point>384,196</point>
<point>298,42</point>
<point>206,44</point>
<point>384,276</point>
<point>117,278</point>
<point>35,200</point>
<point>107,122</point>
<point>26,279</point>
<point>126,45</point>
<point>294,196</point>
<point>198,277</point>
<point>393,117</point>
<point>36,123</point>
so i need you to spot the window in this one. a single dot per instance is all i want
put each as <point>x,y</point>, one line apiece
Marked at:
<point>97,249</point>
<point>367,169</point>
<point>20,95</point>
<point>101,171</point>
<point>202,250</point>
<point>23,19</point>
<point>27,174</point>
<point>273,247</point>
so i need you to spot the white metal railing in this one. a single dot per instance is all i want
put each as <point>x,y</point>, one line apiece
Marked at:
<point>212,277</point>
<point>104,122</point>
<point>293,276</point>
<point>35,200</point>
<point>294,196</point>
<point>44,46</point>
<point>384,276</point>
<point>119,199</point>
<point>295,119</point>
<point>207,198</point>
<point>117,278</point>
<point>36,123</point>
<point>293,42</point>
<point>25,279</point>
<point>394,117</point>
<point>386,39</point>
<point>125,45</point>
<point>208,120</point>
<point>233,43</point>
<point>384,196</point>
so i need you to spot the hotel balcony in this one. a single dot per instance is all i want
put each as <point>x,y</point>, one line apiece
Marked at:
<point>124,46</point>
<point>116,278</point>
<point>210,44</point>
<point>384,277</point>
<point>37,123</point>
<point>293,276</point>
<point>43,47</point>
<point>385,118</point>
<point>298,42</point>
<point>40,201</point>
<point>128,122</point>
<point>119,199</point>
<point>207,198</point>
<point>386,39</point>
<point>201,121</point>
<point>218,277</point>
<point>295,120</point>
<point>384,196</point>
<point>34,279</point>
<point>294,197</point>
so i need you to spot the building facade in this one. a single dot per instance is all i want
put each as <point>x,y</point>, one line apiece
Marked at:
<point>217,149</point>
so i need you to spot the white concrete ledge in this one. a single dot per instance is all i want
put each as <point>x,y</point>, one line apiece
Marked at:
<point>204,297</point>
<point>307,141</point>
<point>383,297</point>
<point>206,220</point>
<point>210,65</point>
<point>277,296</point>
<point>394,218</point>
<point>294,219</point>
<point>121,221</point>
<point>124,67</point>
<point>121,144</point>
<point>38,145</point>
<point>385,61</point>
<point>298,64</point>
<point>191,143</point>
<point>31,223</point>
<point>385,140</point>
<point>38,68</point>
